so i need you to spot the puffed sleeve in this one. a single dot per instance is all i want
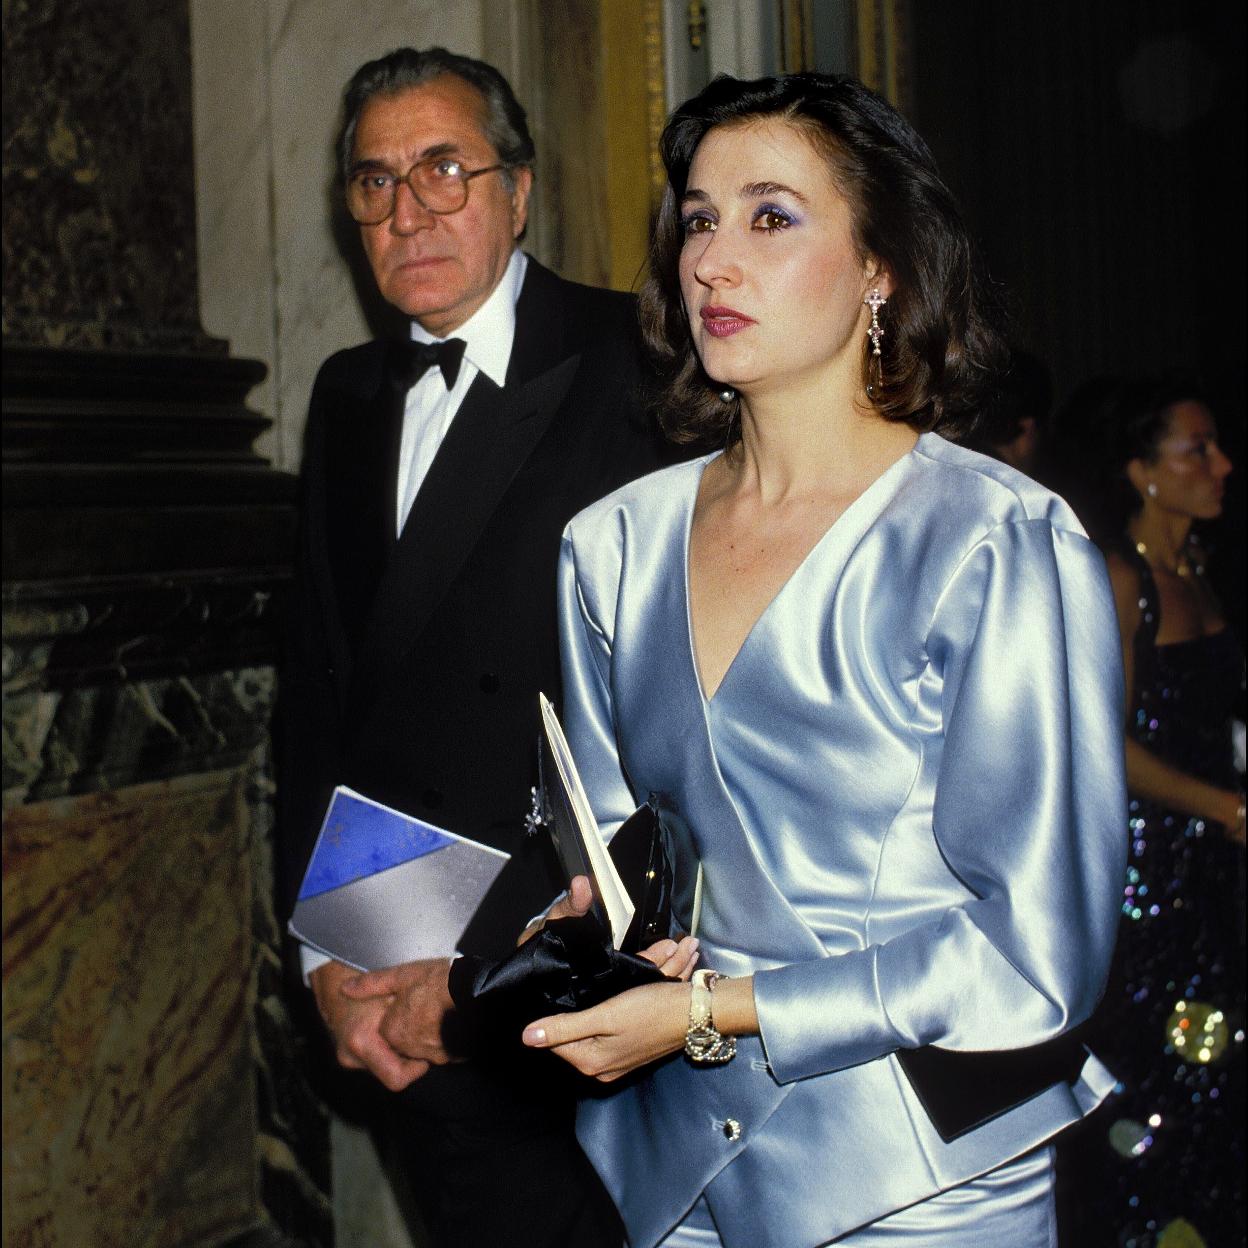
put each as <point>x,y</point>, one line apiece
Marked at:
<point>1028,813</point>
<point>585,651</point>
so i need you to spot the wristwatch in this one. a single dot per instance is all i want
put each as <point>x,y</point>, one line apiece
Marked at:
<point>703,1042</point>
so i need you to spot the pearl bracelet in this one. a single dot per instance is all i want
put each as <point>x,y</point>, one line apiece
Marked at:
<point>704,1043</point>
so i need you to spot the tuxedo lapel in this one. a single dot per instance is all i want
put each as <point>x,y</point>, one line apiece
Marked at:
<point>493,434</point>
<point>361,454</point>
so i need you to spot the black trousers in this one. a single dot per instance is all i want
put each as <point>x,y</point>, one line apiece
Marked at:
<point>489,1155</point>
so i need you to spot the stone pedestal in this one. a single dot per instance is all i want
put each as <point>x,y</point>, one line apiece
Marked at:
<point>129,1116</point>
<point>150,1078</point>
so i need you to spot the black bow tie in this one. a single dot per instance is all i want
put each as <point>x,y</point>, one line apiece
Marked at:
<point>409,361</point>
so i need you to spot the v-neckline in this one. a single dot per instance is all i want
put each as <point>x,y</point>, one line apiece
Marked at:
<point>822,540</point>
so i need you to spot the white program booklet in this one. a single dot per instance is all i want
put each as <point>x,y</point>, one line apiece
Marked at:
<point>582,851</point>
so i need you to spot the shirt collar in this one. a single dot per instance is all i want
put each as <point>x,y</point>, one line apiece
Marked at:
<point>490,331</point>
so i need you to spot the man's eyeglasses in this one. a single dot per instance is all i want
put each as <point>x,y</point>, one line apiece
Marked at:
<point>440,185</point>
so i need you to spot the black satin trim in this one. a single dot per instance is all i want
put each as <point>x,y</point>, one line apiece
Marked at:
<point>569,965</point>
<point>961,1091</point>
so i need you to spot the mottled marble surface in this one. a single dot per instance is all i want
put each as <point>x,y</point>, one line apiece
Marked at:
<point>103,737</point>
<point>127,1076</point>
<point>153,1078</point>
<point>64,734</point>
<point>99,198</point>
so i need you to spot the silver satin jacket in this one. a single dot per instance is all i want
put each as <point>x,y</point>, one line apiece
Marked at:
<point>908,800</point>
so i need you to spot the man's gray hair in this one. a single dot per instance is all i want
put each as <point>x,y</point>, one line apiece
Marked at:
<point>505,124</point>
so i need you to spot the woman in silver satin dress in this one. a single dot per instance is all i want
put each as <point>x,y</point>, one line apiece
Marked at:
<point>873,682</point>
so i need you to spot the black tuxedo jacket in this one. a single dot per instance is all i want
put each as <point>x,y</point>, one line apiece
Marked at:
<point>414,666</point>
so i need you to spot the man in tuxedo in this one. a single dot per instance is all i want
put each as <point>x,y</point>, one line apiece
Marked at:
<point>438,474</point>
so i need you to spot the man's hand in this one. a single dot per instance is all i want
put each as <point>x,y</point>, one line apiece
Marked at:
<point>414,1000</point>
<point>355,1026</point>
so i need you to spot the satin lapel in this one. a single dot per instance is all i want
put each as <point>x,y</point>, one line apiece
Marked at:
<point>652,661</point>
<point>664,740</point>
<point>491,437</point>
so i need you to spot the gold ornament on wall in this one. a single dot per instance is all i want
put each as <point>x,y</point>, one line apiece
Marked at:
<point>697,24</point>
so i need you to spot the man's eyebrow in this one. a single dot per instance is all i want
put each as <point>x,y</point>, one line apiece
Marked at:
<point>430,153</point>
<point>440,149</point>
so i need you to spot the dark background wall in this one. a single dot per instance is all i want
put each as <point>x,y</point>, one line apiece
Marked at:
<point>1098,152</point>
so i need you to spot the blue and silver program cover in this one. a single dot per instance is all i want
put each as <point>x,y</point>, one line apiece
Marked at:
<point>383,887</point>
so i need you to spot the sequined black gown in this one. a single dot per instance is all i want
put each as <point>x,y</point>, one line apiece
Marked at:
<point>1170,1144</point>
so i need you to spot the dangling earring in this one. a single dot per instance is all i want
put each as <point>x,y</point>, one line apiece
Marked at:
<point>1152,489</point>
<point>875,301</point>
<point>727,394</point>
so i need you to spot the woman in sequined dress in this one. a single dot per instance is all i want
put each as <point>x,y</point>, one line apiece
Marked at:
<point>1169,1146</point>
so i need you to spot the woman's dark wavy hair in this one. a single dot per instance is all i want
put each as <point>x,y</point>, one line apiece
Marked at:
<point>942,350</point>
<point>1106,423</point>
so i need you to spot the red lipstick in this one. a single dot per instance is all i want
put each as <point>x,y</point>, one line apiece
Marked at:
<point>724,322</point>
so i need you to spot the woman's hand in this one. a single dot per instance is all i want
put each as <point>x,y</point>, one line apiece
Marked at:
<point>575,902</point>
<point>620,1035</point>
<point>675,958</point>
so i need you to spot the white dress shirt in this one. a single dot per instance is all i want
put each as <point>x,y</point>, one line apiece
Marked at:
<point>488,335</point>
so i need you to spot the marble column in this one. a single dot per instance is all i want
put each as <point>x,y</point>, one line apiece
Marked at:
<point>147,1063</point>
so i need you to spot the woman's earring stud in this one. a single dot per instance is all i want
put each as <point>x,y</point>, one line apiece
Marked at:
<point>1152,489</point>
<point>727,394</point>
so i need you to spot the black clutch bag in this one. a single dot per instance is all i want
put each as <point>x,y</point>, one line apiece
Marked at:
<point>571,964</point>
<point>961,1091</point>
